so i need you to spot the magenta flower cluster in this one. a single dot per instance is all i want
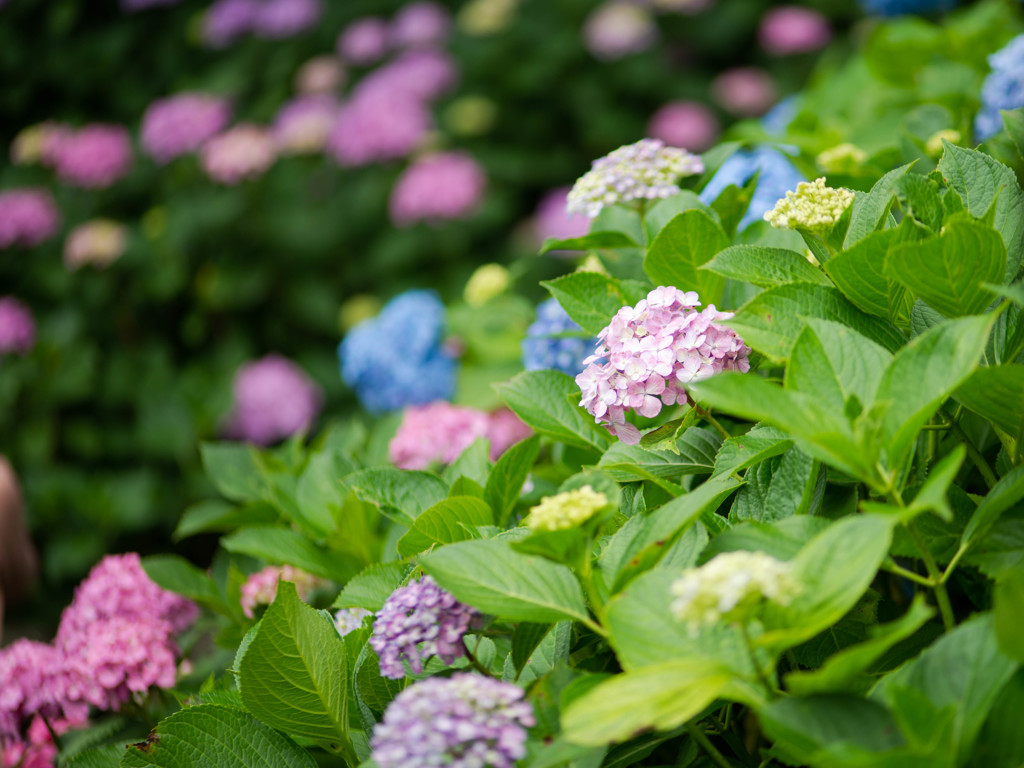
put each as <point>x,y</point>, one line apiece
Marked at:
<point>421,24</point>
<point>94,156</point>
<point>438,187</point>
<point>418,621</point>
<point>17,327</point>
<point>181,124</point>
<point>226,21</point>
<point>464,721</point>
<point>649,353</point>
<point>273,399</point>
<point>439,432</point>
<point>28,217</point>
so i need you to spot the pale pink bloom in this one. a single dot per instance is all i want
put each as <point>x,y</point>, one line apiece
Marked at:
<point>793,29</point>
<point>261,587</point>
<point>617,29</point>
<point>439,187</point>
<point>273,399</point>
<point>303,125</point>
<point>421,24</point>
<point>745,91</point>
<point>686,124</point>
<point>243,152</point>
<point>322,75</point>
<point>99,242</point>
<point>364,41</point>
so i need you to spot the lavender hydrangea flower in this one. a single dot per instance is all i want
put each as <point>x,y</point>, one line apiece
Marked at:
<point>182,123</point>
<point>273,399</point>
<point>1002,89</point>
<point>464,721</point>
<point>93,157</point>
<point>686,124</point>
<point>28,217</point>
<point>303,125</point>
<point>418,621</point>
<point>650,352</point>
<point>243,152</point>
<point>397,358</point>
<point>17,327</point>
<point>364,41</point>
<point>377,125</point>
<point>777,175</point>
<point>437,187</point>
<point>348,620</point>
<point>903,7</point>
<point>646,170</point>
<point>421,24</point>
<point>278,19</point>
<point>228,20</point>
<point>545,346</point>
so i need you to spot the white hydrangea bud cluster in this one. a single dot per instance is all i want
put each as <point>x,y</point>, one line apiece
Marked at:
<point>730,586</point>
<point>813,206</point>
<point>566,510</point>
<point>646,170</point>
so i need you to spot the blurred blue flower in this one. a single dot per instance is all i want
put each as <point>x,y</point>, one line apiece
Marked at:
<point>777,175</point>
<point>778,118</point>
<point>542,347</point>
<point>902,7</point>
<point>1002,89</point>
<point>397,358</point>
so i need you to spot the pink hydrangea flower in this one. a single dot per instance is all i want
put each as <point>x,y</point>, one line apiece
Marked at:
<point>93,157</point>
<point>686,124</point>
<point>17,327</point>
<point>303,125</point>
<point>649,353</point>
<point>505,429</point>
<point>38,749</point>
<point>376,126</point>
<point>745,91</point>
<point>438,432</point>
<point>34,683</point>
<point>552,220</point>
<point>421,24</point>
<point>278,19</point>
<point>793,29</point>
<point>99,242</point>
<point>617,29</point>
<point>28,217</point>
<point>225,21</point>
<point>261,587</point>
<point>423,75</point>
<point>243,152</point>
<point>182,123</point>
<point>273,399</point>
<point>439,187</point>
<point>38,143</point>
<point>320,75</point>
<point>364,41</point>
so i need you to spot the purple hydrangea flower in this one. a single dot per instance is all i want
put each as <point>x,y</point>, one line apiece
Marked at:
<point>273,399</point>
<point>376,126</point>
<point>792,29</point>
<point>686,124</point>
<point>552,220</point>
<point>439,187</point>
<point>617,29</point>
<point>1003,88</point>
<point>303,125</point>
<point>93,157</point>
<point>228,20</point>
<point>364,41</point>
<point>182,123</point>
<point>421,24</point>
<point>243,152</point>
<point>547,347</point>
<point>464,721</point>
<point>649,353</point>
<point>745,91</point>
<point>28,217</point>
<point>418,621</point>
<point>277,19</point>
<point>17,327</point>
<point>424,75</point>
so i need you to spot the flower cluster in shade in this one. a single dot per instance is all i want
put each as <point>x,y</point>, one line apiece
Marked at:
<point>261,587</point>
<point>17,327</point>
<point>686,124</point>
<point>617,29</point>
<point>226,21</point>
<point>28,217</point>
<point>551,219</point>
<point>648,354</point>
<point>731,587</point>
<point>813,206</point>
<point>99,242</point>
<point>437,433</point>
<point>38,749</point>
<point>422,24</point>
<point>1003,88</point>
<point>418,621</point>
<point>463,721</point>
<point>116,639</point>
<point>320,76</point>
<point>790,29</point>
<point>348,620</point>
<point>553,341</point>
<point>565,510</point>
<point>776,176</point>
<point>744,91</point>
<point>180,124</point>
<point>273,399</point>
<point>397,358</point>
<point>904,7</point>
<point>437,187</point>
<point>242,152</point>
<point>645,170</point>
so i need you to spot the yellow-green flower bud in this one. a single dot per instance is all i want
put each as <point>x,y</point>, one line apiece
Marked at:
<point>813,206</point>
<point>485,283</point>
<point>843,158</point>
<point>566,510</point>
<point>934,144</point>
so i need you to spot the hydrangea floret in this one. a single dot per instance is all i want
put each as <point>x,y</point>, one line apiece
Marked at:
<point>566,510</point>
<point>649,353</point>
<point>553,341</point>
<point>730,587</point>
<point>261,587</point>
<point>841,158</point>
<point>464,721</point>
<point>348,620</point>
<point>418,621</point>
<point>814,206</point>
<point>1003,88</point>
<point>646,170</point>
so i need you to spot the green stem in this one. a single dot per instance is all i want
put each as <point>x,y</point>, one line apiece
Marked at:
<point>975,454</point>
<point>53,734</point>
<point>941,595</point>
<point>473,661</point>
<point>712,421</point>
<point>701,738</point>
<point>586,571</point>
<point>902,572</point>
<point>758,669</point>
<point>960,552</point>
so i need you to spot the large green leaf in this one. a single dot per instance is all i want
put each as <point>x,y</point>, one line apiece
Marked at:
<point>1001,743</point>
<point>695,455</point>
<point>235,469</point>
<point>592,299</point>
<point>372,586</point>
<point>760,443</point>
<point>508,475</point>
<point>870,210</point>
<point>681,247</point>
<point>494,578</point>
<point>542,400</point>
<point>294,674</point>
<point>450,520</point>
<point>764,267</point>
<point>591,242</point>
<point>320,492</point>
<point>948,271</point>
<point>286,546</point>
<point>997,394</point>
<point>1008,607</point>
<point>209,734</point>
<point>175,573</point>
<point>220,516</point>
<point>403,493</point>
<point>1003,496</point>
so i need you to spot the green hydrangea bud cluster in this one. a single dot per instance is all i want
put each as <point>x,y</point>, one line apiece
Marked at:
<point>566,510</point>
<point>813,206</point>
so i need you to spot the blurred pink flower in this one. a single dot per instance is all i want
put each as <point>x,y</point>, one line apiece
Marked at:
<point>182,123</point>
<point>793,29</point>
<point>686,124</point>
<point>38,143</point>
<point>364,41</point>
<point>99,242</point>
<point>273,399</point>
<point>303,125</point>
<point>245,151</point>
<point>93,157</point>
<point>28,217</point>
<point>227,20</point>
<point>261,587</point>
<point>420,74</point>
<point>552,220</point>
<point>17,327</point>
<point>438,187</point>
<point>420,24</point>
<point>320,75</point>
<point>277,19</point>
<point>744,91</point>
<point>439,432</point>
<point>617,29</point>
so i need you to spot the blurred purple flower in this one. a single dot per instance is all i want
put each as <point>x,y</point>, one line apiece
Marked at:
<point>686,124</point>
<point>243,152</point>
<point>438,187</point>
<point>273,399</point>
<point>421,24</point>
<point>182,123</point>
<point>277,19</point>
<point>28,217</point>
<point>552,220</point>
<point>227,20</point>
<point>376,126</point>
<point>744,91</point>
<point>617,29</point>
<point>420,74</point>
<point>17,327</point>
<point>93,157</point>
<point>139,5</point>
<point>364,41</point>
<point>303,125</point>
<point>793,29</point>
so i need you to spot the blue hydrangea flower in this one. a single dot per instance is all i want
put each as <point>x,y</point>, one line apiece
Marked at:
<point>778,118</point>
<point>1002,89</point>
<point>777,176</point>
<point>397,358</point>
<point>903,7</point>
<point>542,347</point>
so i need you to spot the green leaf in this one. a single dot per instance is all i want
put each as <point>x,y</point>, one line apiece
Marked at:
<point>1003,496</point>
<point>595,241</point>
<point>372,586</point>
<point>405,493</point>
<point>947,272</point>
<point>508,475</point>
<point>686,242</point>
<point>177,574</point>
<point>923,375</point>
<point>220,516</point>
<point>294,674</point>
<point>663,211</point>
<point>982,181</point>
<point>932,495</point>
<point>870,211</point>
<point>1008,607</point>
<point>772,320</point>
<point>495,579</point>
<point>108,756</point>
<point>1013,121</point>
<point>659,697</point>
<point>842,672</point>
<point>234,469</point>
<point>696,455</point>
<point>1001,743</point>
<point>760,443</point>
<point>286,546</point>
<point>320,490</point>
<point>472,464</point>
<point>209,734</point>
<point>453,519</point>
<point>541,399</point>
<point>764,267</point>
<point>996,393</point>
<point>590,298</point>
<point>919,197</point>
